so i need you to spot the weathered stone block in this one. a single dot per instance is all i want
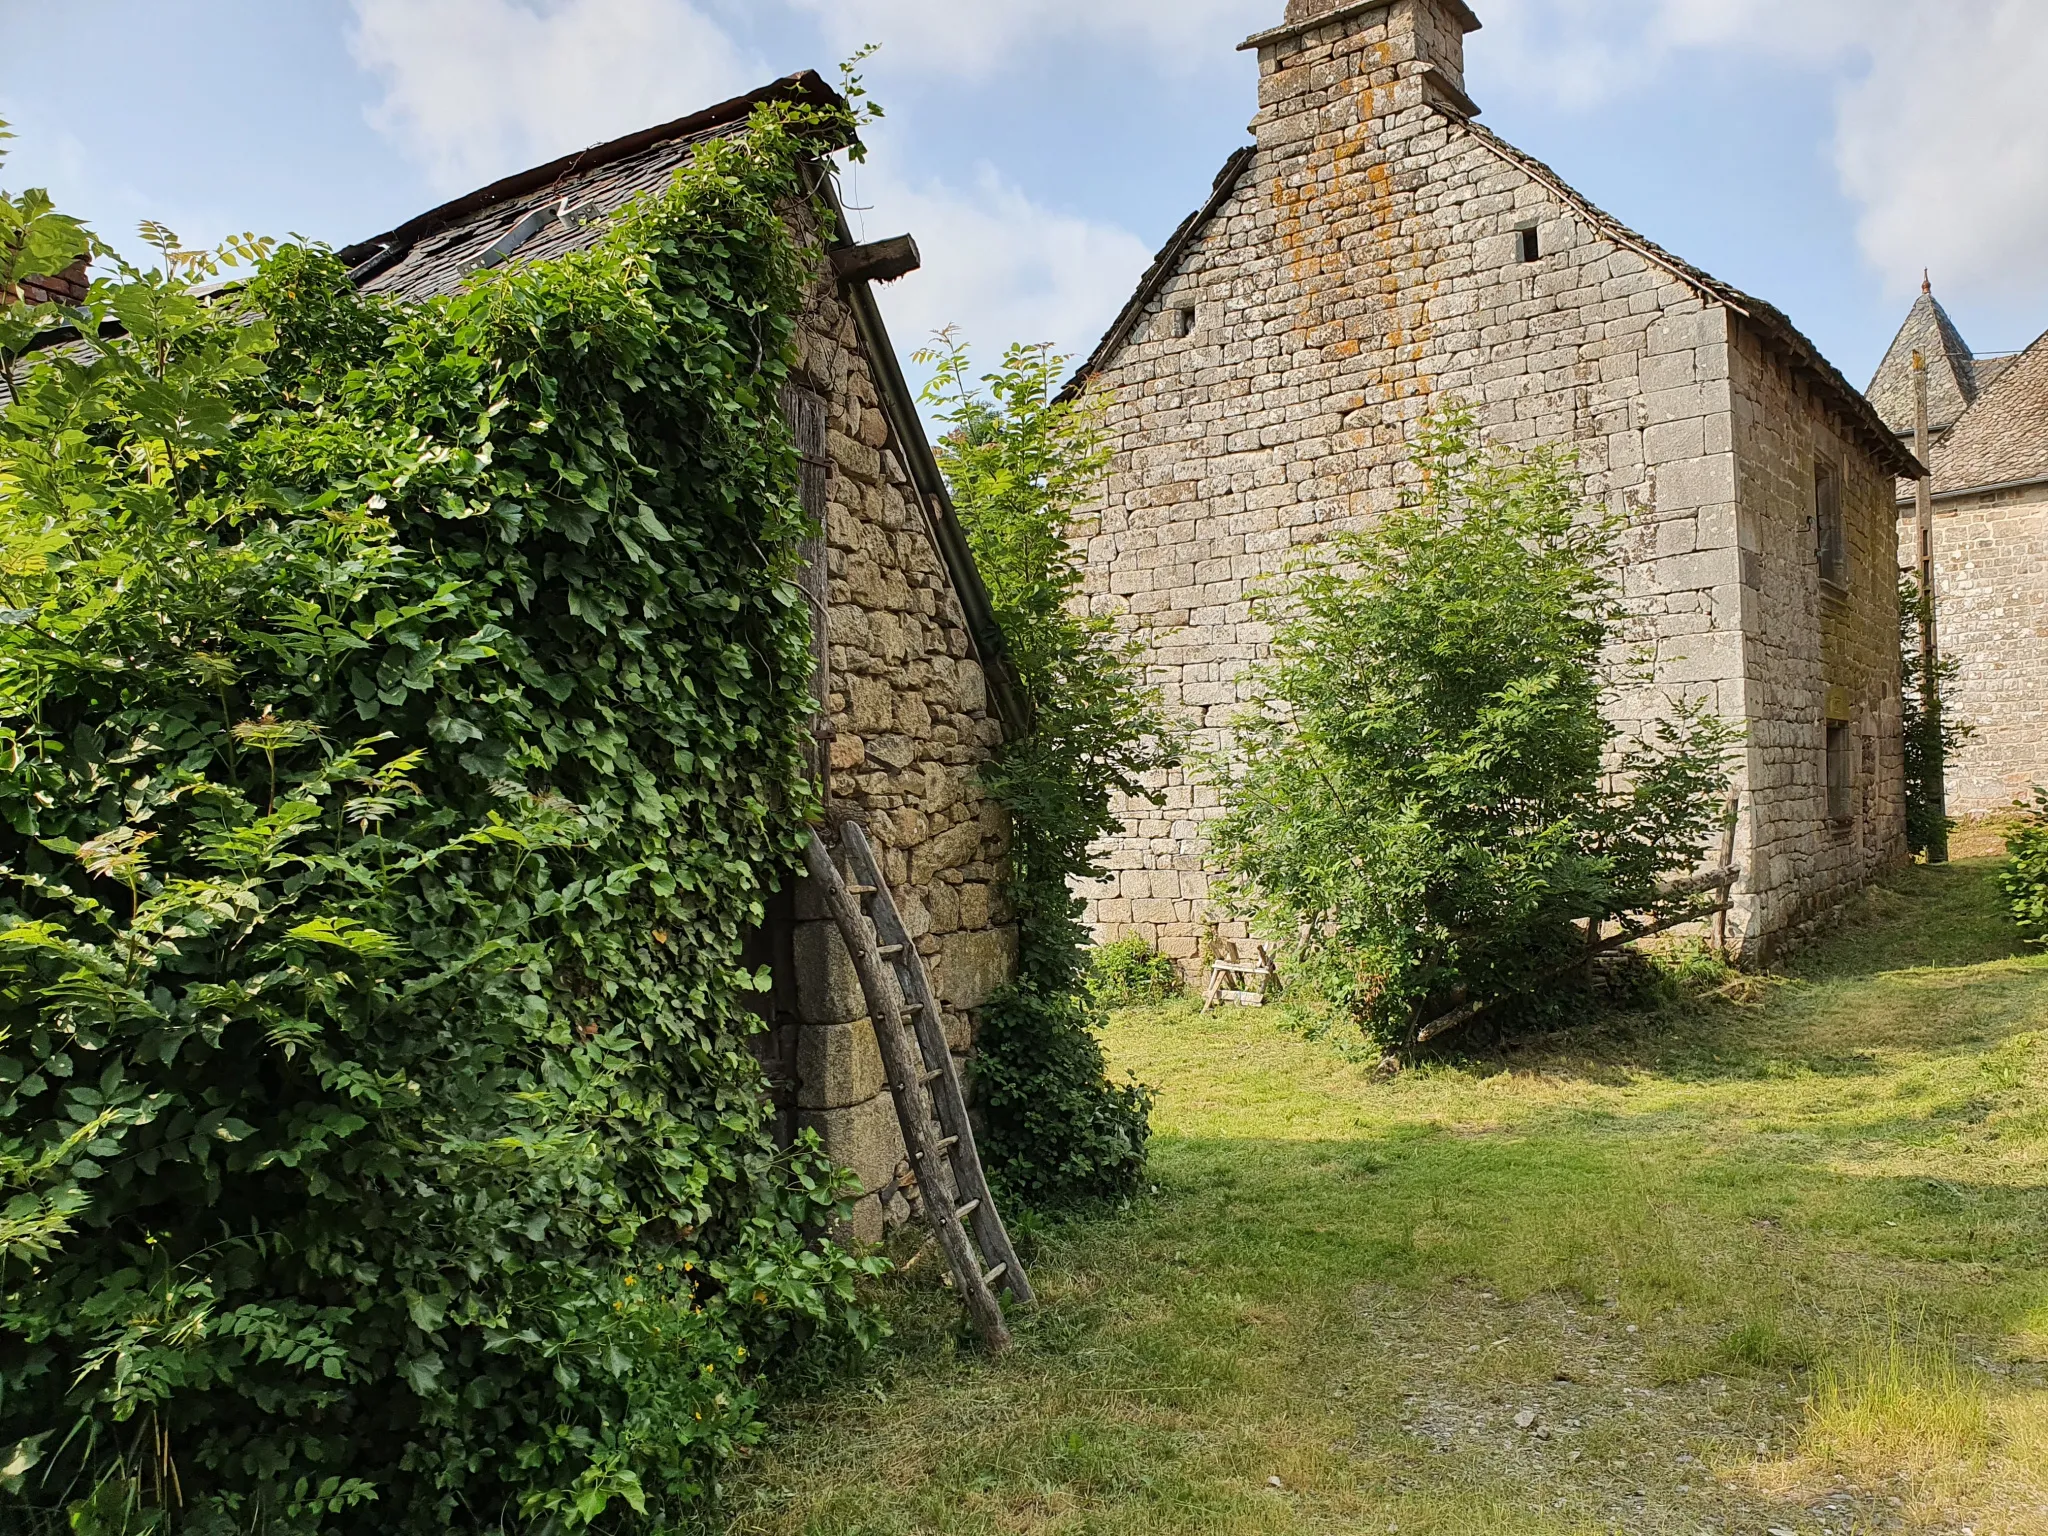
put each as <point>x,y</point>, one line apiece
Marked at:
<point>837,1065</point>
<point>827,986</point>
<point>864,1137</point>
<point>972,964</point>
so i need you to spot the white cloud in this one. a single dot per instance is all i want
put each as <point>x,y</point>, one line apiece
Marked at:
<point>976,37</point>
<point>1938,136</point>
<point>1942,146</point>
<point>997,264</point>
<point>475,89</point>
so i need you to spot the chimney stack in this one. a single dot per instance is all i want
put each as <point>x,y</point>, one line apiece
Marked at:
<point>1389,55</point>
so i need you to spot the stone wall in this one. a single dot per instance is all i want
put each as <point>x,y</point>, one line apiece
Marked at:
<point>1991,583</point>
<point>907,722</point>
<point>1815,653</point>
<point>1368,266</point>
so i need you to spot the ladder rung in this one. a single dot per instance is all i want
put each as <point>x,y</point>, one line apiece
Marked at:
<point>967,1210</point>
<point>995,1274</point>
<point>948,1143</point>
<point>926,1079</point>
<point>888,951</point>
<point>860,890</point>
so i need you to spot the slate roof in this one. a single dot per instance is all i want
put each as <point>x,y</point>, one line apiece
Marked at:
<point>1953,378</point>
<point>2003,438</point>
<point>435,252</point>
<point>1771,323</point>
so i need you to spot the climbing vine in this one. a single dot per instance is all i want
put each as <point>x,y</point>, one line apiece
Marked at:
<point>401,724</point>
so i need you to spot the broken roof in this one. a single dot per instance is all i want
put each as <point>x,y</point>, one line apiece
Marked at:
<point>1775,328</point>
<point>553,208</point>
<point>1952,374</point>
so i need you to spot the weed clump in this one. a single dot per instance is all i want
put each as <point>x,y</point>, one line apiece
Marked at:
<point>1128,972</point>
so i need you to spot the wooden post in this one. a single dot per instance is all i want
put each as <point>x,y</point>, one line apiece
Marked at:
<point>1930,650</point>
<point>1730,817</point>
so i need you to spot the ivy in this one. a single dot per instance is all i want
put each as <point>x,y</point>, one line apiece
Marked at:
<point>401,721</point>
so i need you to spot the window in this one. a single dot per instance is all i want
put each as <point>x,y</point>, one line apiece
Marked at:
<point>1184,321</point>
<point>1831,545</point>
<point>1841,771</point>
<point>1532,245</point>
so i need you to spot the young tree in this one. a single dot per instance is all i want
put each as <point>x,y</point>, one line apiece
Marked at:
<point>1932,738</point>
<point>1021,463</point>
<point>1426,799</point>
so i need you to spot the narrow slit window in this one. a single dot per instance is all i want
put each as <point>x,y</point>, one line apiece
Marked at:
<point>1532,246</point>
<point>1831,545</point>
<point>1841,771</point>
<point>1184,321</point>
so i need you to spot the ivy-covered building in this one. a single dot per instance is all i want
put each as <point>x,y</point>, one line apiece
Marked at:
<point>912,695</point>
<point>1375,253</point>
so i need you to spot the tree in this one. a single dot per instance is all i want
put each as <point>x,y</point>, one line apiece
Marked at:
<point>1426,799</point>
<point>1021,463</point>
<point>1932,738</point>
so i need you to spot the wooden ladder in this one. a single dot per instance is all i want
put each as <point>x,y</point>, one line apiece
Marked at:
<point>953,1192</point>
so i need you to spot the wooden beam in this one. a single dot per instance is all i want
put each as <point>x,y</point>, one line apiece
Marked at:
<point>881,261</point>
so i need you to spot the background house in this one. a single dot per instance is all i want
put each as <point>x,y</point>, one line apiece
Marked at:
<point>912,695</point>
<point>1375,252</point>
<point>1988,431</point>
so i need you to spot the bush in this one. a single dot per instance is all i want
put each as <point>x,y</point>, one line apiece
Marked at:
<point>2025,876</point>
<point>1426,799</point>
<point>1129,971</point>
<point>403,713</point>
<point>1020,462</point>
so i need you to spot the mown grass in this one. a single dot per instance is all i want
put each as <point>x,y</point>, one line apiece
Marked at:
<point>1764,1260</point>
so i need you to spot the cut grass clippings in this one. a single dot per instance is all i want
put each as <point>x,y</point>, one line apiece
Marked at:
<point>1769,1258</point>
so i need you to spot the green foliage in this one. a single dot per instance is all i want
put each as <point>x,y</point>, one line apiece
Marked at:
<point>1020,462</point>
<point>402,712</point>
<point>1128,970</point>
<point>2025,876</point>
<point>1420,799</point>
<point>1932,738</point>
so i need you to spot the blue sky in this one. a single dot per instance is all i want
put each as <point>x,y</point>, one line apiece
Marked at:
<point>1816,152</point>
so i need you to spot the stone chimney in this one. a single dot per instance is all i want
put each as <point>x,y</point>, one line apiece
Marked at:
<point>1387,56</point>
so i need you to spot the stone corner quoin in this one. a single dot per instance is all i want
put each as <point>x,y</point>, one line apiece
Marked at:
<point>1376,254</point>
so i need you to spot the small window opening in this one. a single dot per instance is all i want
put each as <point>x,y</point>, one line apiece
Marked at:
<point>1532,246</point>
<point>1841,771</point>
<point>1184,321</point>
<point>1831,546</point>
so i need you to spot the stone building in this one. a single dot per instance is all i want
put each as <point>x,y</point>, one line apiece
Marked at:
<point>1375,252</point>
<point>1988,435</point>
<point>912,693</point>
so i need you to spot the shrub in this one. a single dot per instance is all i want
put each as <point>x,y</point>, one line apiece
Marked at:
<point>1426,799</point>
<point>402,714</point>
<point>1127,971</point>
<point>1020,463</point>
<point>2025,876</point>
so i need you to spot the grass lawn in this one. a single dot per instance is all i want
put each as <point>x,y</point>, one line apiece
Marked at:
<point>1770,1261</point>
